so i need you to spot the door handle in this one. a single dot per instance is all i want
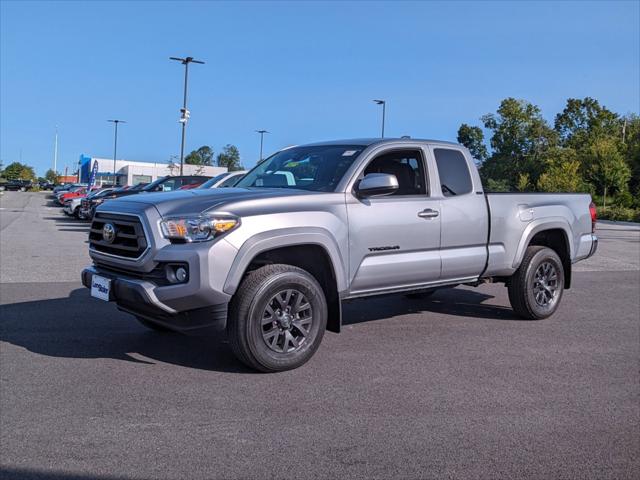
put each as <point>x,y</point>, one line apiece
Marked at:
<point>428,213</point>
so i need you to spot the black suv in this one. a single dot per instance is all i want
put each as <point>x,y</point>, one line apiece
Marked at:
<point>165,184</point>
<point>17,185</point>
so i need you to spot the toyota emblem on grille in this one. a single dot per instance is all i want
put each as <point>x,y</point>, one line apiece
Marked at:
<point>109,233</point>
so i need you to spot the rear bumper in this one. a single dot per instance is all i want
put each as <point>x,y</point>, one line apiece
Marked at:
<point>594,245</point>
<point>138,297</point>
<point>586,247</point>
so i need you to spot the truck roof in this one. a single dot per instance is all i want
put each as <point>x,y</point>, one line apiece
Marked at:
<point>365,142</point>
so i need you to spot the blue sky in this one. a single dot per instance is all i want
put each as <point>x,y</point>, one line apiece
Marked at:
<point>305,71</point>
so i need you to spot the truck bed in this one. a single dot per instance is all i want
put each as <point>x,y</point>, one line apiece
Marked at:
<point>516,217</point>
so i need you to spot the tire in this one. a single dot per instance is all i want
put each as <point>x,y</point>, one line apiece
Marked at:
<point>269,341</point>
<point>153,326</point>
<point>539,279</point>
<point>22,189</point>
<point>76,213</point>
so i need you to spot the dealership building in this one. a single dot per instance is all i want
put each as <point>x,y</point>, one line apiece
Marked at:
<point>130,173</point>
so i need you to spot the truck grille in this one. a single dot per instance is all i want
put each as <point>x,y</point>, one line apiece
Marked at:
<point>128,239</point>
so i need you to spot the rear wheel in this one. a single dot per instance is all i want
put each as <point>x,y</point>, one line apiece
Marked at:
<point>277,318</point>
<point>535,289</point>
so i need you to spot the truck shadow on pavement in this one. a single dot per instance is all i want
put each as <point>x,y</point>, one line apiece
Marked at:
<point>14,473</point>
<point>80,327</point>
<point>447,301</point>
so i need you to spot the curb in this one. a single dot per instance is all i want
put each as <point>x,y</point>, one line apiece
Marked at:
<point>616,222</point>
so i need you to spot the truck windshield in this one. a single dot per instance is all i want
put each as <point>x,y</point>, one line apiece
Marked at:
<point>317,168</point>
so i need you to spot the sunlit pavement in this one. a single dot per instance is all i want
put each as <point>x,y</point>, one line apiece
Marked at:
<point>450,387</point>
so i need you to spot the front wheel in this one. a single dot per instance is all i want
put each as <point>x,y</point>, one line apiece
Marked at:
<point>535,289</point>
<point>277,318</point>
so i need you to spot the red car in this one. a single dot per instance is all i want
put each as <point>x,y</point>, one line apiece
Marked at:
<point>78,192</point>
<point>192,182</point>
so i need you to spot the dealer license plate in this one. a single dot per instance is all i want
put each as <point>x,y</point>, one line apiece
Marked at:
<point>100,287</point>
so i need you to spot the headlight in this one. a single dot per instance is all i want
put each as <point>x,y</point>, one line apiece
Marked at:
<point>197,228</point>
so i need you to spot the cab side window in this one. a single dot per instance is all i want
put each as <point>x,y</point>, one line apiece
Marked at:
<point>453,170</point>
<point>408,168</point>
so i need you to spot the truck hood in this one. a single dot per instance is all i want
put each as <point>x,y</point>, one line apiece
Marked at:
<point>185,202</point>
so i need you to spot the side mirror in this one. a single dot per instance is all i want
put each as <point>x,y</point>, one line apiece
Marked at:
<point>377,185</point>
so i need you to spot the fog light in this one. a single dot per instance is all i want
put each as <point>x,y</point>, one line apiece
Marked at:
<point>181,274</point>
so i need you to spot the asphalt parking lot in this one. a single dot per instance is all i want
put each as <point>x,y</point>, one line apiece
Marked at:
<point>453,386</point>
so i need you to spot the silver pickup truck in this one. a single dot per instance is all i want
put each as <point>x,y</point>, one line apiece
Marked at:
<point>271,261</point>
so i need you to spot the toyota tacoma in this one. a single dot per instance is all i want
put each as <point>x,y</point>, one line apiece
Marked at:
<point>270,261</point>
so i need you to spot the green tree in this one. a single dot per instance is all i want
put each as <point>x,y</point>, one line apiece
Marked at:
<point>631,148</point>
<point>51,176</point>
<point>230,158</point>
<point>606,167</point>
<point>583,121</point>
<point>491,185</point>
<point>562,176</point>
<point>524,182</point>
<point>201,156</point>
<point>520,141</point>
<point>19,171</point>
<point>473,139</point>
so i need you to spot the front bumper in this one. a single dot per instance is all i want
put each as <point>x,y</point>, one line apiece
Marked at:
<point>138,297</point>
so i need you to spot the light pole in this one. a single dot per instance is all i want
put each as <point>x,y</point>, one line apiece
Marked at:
<point>115,147</point>
<point>184,112</point>
<point>261,132</point>
<point>384,107</point>
<point>55,152</point>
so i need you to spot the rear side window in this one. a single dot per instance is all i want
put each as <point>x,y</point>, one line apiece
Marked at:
<point>453,171</point>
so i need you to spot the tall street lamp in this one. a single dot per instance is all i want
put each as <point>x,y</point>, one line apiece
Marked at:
<point>184,113</point>
<point>115,147</point>
<point>384,107</point>
<point>261,132</point>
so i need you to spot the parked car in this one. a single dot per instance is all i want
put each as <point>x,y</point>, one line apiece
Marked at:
<point>46,185</point>
<point>163,184</point>
<point>67,186</point>
<point>89,203</point>
<point>74,192</point>
<point>72,206</point>
<point>271,263</point>
<point>224,180</point>
<point>16,185</point>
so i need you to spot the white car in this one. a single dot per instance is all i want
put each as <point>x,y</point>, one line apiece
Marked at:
<point>224,180</point>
